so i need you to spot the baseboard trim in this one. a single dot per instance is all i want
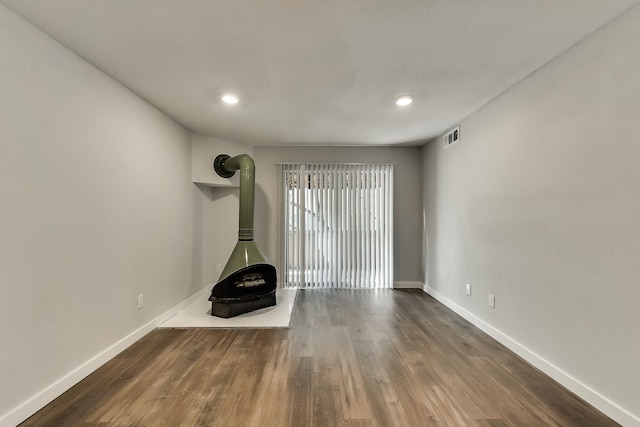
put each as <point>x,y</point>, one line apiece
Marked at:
<point>603,404</point>
<point>47,395</point>
<point>408,285</point>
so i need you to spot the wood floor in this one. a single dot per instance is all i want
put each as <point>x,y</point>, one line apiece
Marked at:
<point>350,358</point>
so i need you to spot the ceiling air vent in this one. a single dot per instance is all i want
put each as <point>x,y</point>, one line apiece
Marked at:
<point>451,137</point>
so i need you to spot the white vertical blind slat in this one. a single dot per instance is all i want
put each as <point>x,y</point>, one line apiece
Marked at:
<point>367,227</point>
<point>287,231</point>
<point>323,224</point>
<point>356,226</point>
<point>390,222</point>
<point>348,234</point>
<point>374,224</point>
<point>339,226</point>
<point>312,225</point>
<point>383,234</point>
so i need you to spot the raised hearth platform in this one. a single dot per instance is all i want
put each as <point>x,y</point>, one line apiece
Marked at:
<point>198,314</point>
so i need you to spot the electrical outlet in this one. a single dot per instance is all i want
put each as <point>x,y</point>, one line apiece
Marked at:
<point>492,301</point>
<point>140,301</point>
<point>469,289</point>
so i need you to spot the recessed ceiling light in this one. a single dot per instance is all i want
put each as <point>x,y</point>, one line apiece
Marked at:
<point>404,100</point>
<point>229,99</point>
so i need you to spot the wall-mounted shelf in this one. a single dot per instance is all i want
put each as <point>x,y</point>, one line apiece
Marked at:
<point>229,184</point>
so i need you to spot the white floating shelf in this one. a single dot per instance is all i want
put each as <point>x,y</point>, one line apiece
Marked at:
<point>229,184</point>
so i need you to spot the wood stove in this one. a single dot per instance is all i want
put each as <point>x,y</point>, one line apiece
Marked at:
<point>248,282</point>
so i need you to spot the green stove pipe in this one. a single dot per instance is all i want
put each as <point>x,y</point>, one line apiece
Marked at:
<point>226,167</point>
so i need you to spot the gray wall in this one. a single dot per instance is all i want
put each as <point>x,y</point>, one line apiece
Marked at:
<point>407,197</point>
<point>539,204</point>
<point>97,207</point>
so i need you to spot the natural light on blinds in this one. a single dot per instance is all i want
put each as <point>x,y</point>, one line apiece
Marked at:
<point>338,229</point>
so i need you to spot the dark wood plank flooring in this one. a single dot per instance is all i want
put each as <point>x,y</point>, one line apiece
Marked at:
<point>350,358</point>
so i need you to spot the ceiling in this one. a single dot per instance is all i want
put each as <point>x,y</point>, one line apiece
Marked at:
<point>320,72</point>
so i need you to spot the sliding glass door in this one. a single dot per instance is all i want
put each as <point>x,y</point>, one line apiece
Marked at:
<point>338,225</point>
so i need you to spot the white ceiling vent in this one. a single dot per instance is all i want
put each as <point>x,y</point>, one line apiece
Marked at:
<point>451,137</point>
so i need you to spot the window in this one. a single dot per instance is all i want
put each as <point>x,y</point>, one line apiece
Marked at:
<point>338,225</point>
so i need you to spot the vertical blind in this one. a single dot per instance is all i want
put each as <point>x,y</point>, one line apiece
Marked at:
<point>338,229</point>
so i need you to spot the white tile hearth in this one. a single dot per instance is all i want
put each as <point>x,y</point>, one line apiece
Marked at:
<point>198,314</point>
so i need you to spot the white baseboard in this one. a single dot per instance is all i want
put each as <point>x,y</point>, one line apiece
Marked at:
<point>606,406</point>
<point>44,397</point>
<point>408,285</point>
